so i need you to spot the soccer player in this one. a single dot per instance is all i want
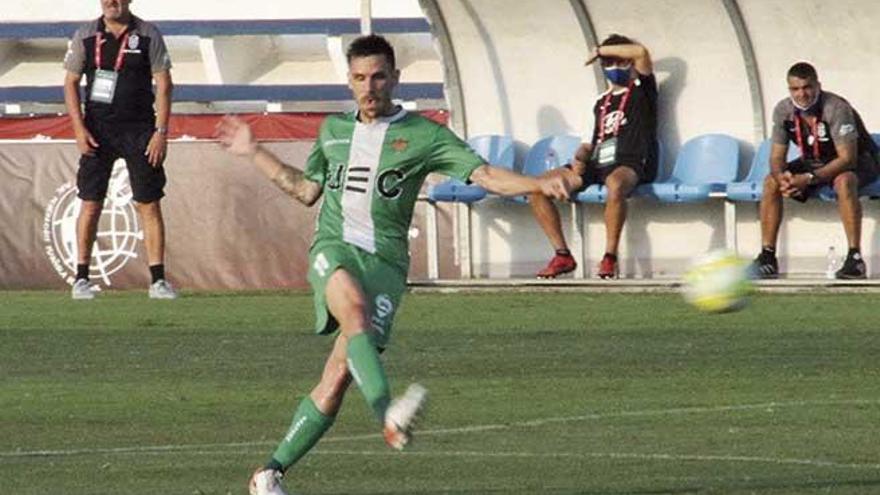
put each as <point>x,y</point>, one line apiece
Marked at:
<point>835,148</point>
<point>369,166</point>
<point>621,154</point>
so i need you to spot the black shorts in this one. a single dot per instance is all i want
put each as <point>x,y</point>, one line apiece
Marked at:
<point>864,173</point>
<point>594,174</point>
<point>129,142</point>
<point>644,165</point>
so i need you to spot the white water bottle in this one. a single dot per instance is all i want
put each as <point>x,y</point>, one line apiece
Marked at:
<point>832,263</point>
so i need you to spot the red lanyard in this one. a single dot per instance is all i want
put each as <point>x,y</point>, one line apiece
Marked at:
<point>621,108</point>
<point>120,57</point>
<point>814,133</point>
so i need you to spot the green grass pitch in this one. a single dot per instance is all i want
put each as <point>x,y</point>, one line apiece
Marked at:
<point>531,393</point>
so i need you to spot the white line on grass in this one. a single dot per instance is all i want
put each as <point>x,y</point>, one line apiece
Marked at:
<point>611,455</point>
<point>769,406</point>
<point>814,463</point>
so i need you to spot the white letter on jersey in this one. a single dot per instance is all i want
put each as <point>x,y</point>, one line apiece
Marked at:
<point>321,265</point>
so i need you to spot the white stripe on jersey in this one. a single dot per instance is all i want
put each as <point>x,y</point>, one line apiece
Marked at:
<point>357,192</point>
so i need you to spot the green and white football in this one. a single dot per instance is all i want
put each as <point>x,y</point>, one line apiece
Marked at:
<point>717,282</point>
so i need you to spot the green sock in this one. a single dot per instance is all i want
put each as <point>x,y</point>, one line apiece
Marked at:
<point>308,426</point>
<point>366,367</point>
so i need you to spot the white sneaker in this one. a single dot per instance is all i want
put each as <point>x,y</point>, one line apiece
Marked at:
<point>82,289</point>
<point>162,289</point>
<point>401,416</point>
<point>266,482</point>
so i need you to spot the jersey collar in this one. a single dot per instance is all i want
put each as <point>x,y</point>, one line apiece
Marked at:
<point>388,119</point>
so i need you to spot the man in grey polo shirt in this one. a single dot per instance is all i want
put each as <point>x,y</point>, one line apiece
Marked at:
<point>835,149</point>
<point>120,55</point>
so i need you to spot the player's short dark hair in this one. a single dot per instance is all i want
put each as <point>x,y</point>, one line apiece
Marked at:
<point>371,44</point>
<point>616,39</point>
<point>803,70</point>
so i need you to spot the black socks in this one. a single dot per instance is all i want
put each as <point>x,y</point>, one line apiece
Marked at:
<point>157,272</point>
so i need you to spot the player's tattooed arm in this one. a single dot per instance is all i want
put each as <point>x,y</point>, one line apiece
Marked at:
<point>293,182</point>
<point>237,138</point>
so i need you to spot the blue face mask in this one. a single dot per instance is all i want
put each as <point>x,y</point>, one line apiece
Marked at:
<point>617,75</point>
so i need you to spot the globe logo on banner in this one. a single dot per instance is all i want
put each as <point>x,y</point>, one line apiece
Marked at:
<point>116,238</point>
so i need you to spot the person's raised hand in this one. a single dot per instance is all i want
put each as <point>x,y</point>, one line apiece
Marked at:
<point>235,136</point>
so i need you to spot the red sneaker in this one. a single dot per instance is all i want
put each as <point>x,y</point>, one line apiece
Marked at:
<point>559,265</point>
<point>608,267</point>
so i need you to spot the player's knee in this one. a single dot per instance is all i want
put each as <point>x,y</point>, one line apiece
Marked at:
<point>615,185</point>
<point>618,189</point>
<point>770,185</point>
<point>353,317</point>
<point>615,192</point>
<point>846,183</point>
<point>347,303</point>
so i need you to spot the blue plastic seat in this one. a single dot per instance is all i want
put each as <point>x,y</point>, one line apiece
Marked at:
<point>455,191</point>
<point>496,150</point>
<point>827,193</point>
<point>598,193</point>
<point>549,153</point>
<point>752,187</point>
<point>705,164</point>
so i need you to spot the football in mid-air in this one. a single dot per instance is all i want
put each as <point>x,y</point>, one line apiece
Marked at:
<point>717,282</point>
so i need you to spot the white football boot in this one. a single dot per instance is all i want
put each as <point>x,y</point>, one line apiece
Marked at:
<point>402,414</point>
<point>162,289</point>
<point>82,289</point>
<point>266,482</point>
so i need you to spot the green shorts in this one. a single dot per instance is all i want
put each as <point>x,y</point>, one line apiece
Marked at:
<point>383,285</point>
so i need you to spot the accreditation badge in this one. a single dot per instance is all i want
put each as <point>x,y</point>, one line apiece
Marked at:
<point>104,86</point>
<point>606,153</point>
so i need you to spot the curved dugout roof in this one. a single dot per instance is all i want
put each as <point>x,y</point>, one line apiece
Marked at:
<point>517,67</point>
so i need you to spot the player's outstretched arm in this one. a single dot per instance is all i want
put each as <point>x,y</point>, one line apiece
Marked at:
<point>506,183</point>
<point>236,137</point>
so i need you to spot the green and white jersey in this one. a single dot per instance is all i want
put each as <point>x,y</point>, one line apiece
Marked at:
<point>371,175</point>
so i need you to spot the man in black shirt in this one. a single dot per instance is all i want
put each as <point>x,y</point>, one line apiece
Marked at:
<point>120,55</point>
<point>621,154</point>
<point>835,148</point>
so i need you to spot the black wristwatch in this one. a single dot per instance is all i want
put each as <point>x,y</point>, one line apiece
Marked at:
<point>813,179</point>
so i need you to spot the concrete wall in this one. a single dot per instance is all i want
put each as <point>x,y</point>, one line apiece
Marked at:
<point>521,67</point>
